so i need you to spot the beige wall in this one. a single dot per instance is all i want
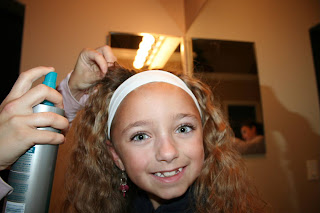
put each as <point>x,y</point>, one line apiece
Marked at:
<point>280,33</point>
<point>290,107</point>
<point>56,30</point>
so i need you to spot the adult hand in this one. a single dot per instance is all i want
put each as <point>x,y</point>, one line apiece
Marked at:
<point>18,123</point>
<point>91,66</point>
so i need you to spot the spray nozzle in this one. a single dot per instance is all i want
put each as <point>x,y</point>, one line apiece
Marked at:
<point>50,81</point>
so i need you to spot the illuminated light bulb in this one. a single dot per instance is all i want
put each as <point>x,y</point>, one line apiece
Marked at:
<point>151,57</point>
<point>158,43</point>
<point>143,51</point>
<point>154,51</point>
<point>150,60</point>
<point>138,64</point>
<point>148,38</point>
<point>144,48</point>
<point>161,38</point>
<point>140,59</point>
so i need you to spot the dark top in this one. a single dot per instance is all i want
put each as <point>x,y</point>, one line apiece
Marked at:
<point>183,204</point>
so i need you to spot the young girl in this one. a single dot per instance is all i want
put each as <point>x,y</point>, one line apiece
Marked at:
<point>151,142</point>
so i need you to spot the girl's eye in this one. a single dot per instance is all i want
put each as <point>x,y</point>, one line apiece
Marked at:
<point>140,137</point>
<point>184,129</point>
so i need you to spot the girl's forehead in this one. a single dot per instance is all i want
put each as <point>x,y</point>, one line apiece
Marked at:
<point>156,89</point>
<point>157,95</point>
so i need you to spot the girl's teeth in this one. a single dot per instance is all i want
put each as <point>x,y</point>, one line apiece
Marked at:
<point>168,174</point>
<point>158,174</point>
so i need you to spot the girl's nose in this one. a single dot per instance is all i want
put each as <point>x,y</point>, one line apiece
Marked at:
<point>166,149</point>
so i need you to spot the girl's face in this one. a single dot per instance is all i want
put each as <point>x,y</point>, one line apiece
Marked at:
<point>157,137</point>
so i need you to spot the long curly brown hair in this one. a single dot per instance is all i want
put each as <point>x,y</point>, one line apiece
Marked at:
<point>92,180</point>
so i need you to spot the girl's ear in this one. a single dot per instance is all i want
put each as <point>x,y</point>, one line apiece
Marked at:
<point>116,159</point>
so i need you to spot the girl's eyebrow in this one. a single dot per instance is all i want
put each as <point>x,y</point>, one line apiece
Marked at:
<point>185,115</point>
<point>136,124</point>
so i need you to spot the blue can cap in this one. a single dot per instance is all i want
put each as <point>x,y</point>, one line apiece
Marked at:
<point>50,80</point>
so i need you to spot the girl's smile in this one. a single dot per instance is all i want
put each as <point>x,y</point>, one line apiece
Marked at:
<point>169,176</point>
<point>157,137</point>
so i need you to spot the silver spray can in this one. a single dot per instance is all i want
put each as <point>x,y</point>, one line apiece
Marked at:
<point>31,176</point>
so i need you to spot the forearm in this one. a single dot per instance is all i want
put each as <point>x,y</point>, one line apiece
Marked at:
<point>71,104</point>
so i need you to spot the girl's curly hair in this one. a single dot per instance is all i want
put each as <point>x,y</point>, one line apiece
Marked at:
<point>92,180</point>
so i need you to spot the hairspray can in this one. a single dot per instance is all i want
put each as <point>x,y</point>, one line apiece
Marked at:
<point>31,176</point>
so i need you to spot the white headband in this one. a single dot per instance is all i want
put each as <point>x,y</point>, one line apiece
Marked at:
<point>140,79</point>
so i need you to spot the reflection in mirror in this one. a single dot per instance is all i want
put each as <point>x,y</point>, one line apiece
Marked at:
<point>230,68</point>
<point>146,51</point>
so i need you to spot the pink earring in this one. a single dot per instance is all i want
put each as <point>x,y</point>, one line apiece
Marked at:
<point>123,183</point>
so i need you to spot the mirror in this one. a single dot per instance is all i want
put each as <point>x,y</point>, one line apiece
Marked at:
<point>228,67</point>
